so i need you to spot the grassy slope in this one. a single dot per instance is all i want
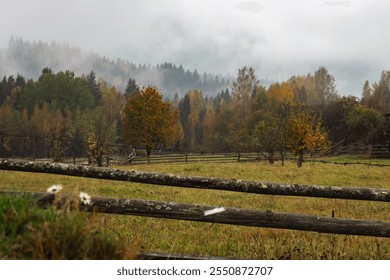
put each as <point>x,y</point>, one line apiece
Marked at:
<point>235,241</point>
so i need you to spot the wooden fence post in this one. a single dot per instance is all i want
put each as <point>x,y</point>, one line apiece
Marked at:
<point>1,146</point>
<point>369,151</point>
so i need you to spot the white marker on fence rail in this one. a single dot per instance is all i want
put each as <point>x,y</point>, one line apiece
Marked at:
<point>54,189</point>
<point>214,211</point>
<point>85,198</point>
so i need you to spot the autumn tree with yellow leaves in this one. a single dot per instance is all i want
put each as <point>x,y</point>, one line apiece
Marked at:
<point>281,92</point>
<point>100,124</point>
<point>243,91</point>
<point>268,134</point>
<point>149,121</point>
<point>191,108</point>
<point>304,133</point>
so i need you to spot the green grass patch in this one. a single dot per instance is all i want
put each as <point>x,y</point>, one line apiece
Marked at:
<point>29,232</point>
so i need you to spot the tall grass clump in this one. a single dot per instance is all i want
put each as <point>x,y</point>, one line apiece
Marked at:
<point>30,232</point>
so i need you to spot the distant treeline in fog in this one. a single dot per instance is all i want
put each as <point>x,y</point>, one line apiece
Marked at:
<point>29,58</point>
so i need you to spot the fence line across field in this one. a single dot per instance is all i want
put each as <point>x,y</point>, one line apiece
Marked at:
<point>206,213</point>
<point>231,216</point>
<point>373,151</point>
<point>239,157</point>
<point>197,182</point>
<point>198,157</point>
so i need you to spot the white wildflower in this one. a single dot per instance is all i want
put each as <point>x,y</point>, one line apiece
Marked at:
<point>54,189</point>
<point>214,211</point>
<point>85,198</point>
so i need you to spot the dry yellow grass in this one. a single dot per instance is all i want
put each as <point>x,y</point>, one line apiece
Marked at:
<point>237,241</point>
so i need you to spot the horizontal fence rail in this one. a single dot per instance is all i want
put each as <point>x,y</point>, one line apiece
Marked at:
<point>194,157</point>
<point>370,194</point>
<point>175,256</point>
<point>348,163</point>
<point>232,216</point>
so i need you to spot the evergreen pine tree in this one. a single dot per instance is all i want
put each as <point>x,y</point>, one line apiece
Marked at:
<point>93,87</point>
<point>131,88</point>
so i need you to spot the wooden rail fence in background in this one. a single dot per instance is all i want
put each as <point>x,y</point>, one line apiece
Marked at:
<point>372,151</point>
<point>196,157</point>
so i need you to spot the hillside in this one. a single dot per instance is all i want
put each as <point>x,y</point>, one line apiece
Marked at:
<point>29,58</point>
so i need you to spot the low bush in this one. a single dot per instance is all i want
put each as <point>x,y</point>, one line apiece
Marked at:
<point>29,232</point>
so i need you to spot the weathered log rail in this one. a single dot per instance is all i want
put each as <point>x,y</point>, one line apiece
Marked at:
<point>232,216</point>
<point>370,194</point>
<point>348,163</point>
<point>175,256</point>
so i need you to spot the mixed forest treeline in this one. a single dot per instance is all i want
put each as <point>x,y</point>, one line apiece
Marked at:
<point>29,58</point>
<point>62,115</point>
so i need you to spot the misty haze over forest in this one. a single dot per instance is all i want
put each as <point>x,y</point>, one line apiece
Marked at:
<point>278,38</point>
<point>29,58</point>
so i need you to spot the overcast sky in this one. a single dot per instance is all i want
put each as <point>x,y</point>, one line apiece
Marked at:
<point>278,38</point>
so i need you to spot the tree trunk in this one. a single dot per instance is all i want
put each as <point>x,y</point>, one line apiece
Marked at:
<point>282,156</point>
<point>271,159</point>
<point>300,158</point>
<point>148,152</point>
<point>99,158</point>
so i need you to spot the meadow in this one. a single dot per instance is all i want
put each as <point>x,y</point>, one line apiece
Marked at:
<point>206,239</point>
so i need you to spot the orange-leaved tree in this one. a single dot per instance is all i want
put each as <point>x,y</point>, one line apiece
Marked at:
<point>281,92</point>
<point>304,133</point>
<point>149,121</point>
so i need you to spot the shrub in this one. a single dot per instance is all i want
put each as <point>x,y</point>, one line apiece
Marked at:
<point>29,232</point>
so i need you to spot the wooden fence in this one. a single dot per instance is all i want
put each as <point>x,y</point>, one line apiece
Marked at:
<point>164,157</point>
<point>171,158</point>
<point>213,214</point>
<point>380,152</point>
<point>373,151</point>
<point>376,151</point>
<point>195,157</point>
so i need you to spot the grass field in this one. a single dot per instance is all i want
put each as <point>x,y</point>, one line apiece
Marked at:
<point>207,239</point>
